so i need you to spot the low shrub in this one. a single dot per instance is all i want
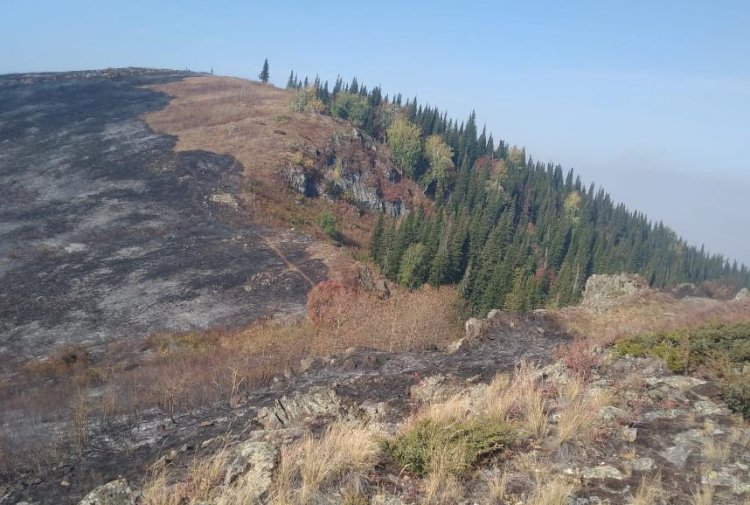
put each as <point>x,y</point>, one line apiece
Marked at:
<point>719,351</point>
<point>736,393</point>
<point>418,447</point>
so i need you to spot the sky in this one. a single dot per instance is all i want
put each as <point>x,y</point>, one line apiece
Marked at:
<point>651,100</point>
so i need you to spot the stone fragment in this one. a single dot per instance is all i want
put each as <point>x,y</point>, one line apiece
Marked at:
<point>117,492</point>
<point>602,472</point>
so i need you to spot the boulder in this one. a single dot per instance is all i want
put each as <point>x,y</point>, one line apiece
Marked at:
<point>474,328</point>
<point>602,291</point>
<point>742,294</point>
<point>117,492</point>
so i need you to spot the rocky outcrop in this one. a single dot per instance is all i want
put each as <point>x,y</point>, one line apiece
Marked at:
<point>688,289</point>
<point>352,167</point>
<point>256,462</point>
<point>742,294</point>
<point>602,291</point>
<point>117,492</point>
<point>299,407</point>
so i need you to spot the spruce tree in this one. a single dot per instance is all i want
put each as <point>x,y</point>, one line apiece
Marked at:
<point>264,74</point>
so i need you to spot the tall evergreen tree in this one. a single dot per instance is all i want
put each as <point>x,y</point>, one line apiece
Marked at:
<point>264,73</point>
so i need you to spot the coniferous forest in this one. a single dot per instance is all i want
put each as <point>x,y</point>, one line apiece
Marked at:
<point>513,233</point>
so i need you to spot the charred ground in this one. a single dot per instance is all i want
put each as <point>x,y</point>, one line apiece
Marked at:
<point>107,232</point>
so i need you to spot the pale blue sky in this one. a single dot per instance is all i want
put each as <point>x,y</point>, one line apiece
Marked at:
<point>650,99</point>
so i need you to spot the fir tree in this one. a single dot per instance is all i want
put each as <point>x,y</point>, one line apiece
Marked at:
<point>264,73</point>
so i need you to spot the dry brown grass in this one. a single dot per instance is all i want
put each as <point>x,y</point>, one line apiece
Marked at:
<point>649,490</point>
<point>255,124</point>
<point>577,409</point>
<point>345,450</point>
<point>201,478</point>
<point>715,451</point>
<point>649,312</point>
<point>704,495</point>
<point>497,488</point>
<point>552,492</point>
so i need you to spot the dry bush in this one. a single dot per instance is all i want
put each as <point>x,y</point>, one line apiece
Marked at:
<point>531,401</point>
<point>240,118</point>
<point>649,490</point>
<point>716,452</point>
<point>704,495</point>
<point>579,356</point>
<point>499,398</point>
<point>577,411</point>
<point>497,488</point>
<point>457,408</point>
<point>312,463</point>
<point>202,476</point>
<point>553,492</point>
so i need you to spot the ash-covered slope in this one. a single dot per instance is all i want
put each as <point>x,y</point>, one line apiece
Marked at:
<point>106,232</point>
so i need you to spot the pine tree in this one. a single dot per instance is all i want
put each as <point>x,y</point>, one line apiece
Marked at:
<point>264,74</point>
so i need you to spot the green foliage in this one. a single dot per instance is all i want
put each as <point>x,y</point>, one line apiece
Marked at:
<point>413,268</point>
<point>718,350</point>
<point>440,157</point>
<point>351,106</point>
<point>327,222</point>
<point>405,144</point>
<point>474,439</point>
<point>736,393</point>
<point>513,232</point>
<point>306,100</point>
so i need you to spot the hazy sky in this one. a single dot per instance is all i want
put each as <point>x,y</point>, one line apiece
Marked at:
<point>650,99</point>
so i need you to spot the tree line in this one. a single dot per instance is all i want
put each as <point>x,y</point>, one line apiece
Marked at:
<point>510,231</point>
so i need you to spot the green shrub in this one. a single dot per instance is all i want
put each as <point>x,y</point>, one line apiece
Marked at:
<point>736,394</point>
<point>473,439</point>
<point>327,222</point>
<point>716,350</point>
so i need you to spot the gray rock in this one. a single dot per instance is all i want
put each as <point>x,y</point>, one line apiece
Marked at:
<point>117,492</point>
<point>663,414</point>
<point>682,382</point>
<point>611,413</point>
<point>709,408</point>
<point>643,464</point>
<point>742,294</point>
<point>474,328</point>
<point>255,461</point>
<point>602,472</point>
<point>685,443</point>
<point>299,407</point>
<point>725,479</point>
<point>602,291</point>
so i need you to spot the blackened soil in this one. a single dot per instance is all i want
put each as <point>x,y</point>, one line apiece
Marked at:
<point>106,232</point>
<point>359,376</point>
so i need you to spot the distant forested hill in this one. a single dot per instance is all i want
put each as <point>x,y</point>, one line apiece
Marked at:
<point>514,233</point>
